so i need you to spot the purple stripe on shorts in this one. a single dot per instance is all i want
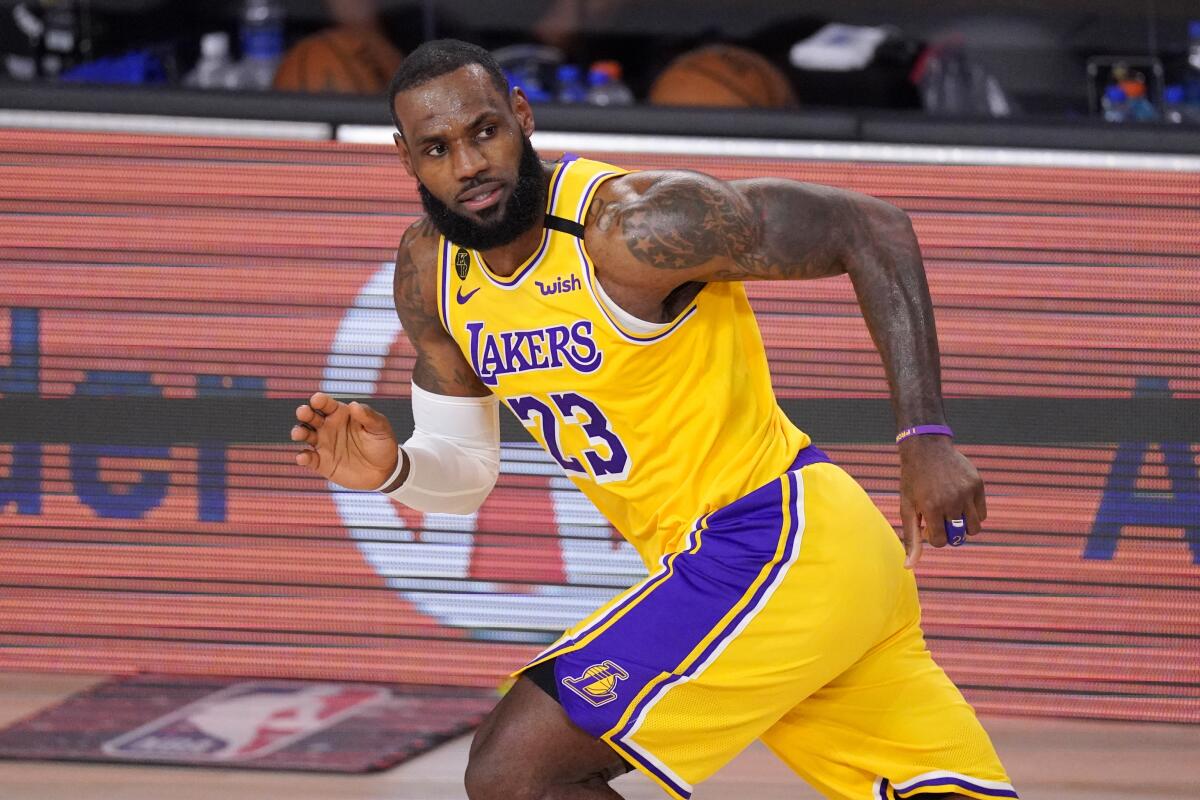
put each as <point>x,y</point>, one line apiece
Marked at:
<point>732,625</point>
<point>649,584</point>
<point>653,636</point>
<point>763,587</point>
<point>633,598</point>
<point>658,773</point>
<point>809,455</point>
<point>883,787</point>
<point>962,783</point>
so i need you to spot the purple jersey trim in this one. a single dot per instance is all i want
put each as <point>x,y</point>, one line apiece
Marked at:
<point>513,280</point>
<point>586,197</point>
<point>636,338</point>
<point>446,284</point>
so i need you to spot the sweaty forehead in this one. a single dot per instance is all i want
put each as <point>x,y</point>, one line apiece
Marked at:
<point>447,102</point>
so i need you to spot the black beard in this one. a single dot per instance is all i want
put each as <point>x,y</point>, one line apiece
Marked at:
<point>516,217</point>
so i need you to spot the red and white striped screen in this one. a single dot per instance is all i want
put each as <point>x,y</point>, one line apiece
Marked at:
<point>165,302</point>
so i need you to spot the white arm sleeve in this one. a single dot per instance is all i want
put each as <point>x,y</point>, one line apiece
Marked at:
<point>453,454</point>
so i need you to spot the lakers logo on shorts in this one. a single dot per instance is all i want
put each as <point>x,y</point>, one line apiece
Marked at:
<point>598,683</point>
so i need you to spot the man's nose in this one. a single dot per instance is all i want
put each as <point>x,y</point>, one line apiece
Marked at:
<point>468,162</point>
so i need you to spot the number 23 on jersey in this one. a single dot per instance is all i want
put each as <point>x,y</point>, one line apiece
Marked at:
<point>604,459</point>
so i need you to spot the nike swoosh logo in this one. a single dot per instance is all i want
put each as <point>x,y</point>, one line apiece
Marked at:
<point>464,298</point>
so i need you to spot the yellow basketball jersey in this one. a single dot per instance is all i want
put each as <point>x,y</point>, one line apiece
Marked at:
<point>656,426</point>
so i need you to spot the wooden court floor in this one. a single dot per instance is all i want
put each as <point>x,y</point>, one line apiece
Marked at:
<point>1047,759</point>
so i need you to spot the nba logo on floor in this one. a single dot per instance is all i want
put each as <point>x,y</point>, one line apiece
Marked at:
<point>598,683</point>
<point>245,721</point>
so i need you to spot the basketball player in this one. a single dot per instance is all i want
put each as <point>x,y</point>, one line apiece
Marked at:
<point>606,309</point>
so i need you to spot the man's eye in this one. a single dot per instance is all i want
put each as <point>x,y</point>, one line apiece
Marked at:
<point>436,150</point>
<point>488,132</point>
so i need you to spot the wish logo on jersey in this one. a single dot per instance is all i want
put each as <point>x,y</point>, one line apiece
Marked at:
<point>245,721</point>
<point>552,347</point>
<point>560,286</point>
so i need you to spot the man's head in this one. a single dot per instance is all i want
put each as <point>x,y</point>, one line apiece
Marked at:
<point>464,135</point>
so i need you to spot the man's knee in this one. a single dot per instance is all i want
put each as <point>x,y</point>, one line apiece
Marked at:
<point>493,775</point>
<point>527,747</point>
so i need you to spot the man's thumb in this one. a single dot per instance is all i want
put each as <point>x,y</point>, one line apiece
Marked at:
<point>366,416</point>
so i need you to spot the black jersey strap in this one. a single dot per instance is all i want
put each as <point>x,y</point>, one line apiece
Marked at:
<point>565,225</point>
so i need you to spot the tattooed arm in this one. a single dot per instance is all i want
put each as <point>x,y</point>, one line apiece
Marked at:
<point>657,231</point>
<point>441,367</point>
<point>660,230</point>
<point>354,445</point>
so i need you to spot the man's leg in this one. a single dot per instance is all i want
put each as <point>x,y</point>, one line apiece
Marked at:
<point>527,749</point>
<point>892,725</point>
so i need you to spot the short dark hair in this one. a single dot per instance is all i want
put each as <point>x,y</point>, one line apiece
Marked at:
<point>436,58</point>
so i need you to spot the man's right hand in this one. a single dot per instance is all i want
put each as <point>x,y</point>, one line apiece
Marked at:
<point>347,443</point>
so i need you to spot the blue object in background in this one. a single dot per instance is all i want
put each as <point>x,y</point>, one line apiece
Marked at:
<point>1114,104</point>
<point>135,68</point>
<point>569,83</point>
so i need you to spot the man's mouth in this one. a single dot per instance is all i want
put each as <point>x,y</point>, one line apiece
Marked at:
<point>483,196</point>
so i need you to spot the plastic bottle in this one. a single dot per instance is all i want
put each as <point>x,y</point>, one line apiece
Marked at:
<point>1138,107</point>
<point>1191,81</point>
<point>569,83</point>
<point>261,33</point>
<point>1113,104</point>
<point>1173,104</point>
<point>605,87</point>
<point>214,63</point>
<point>528,81</point>
<point>64,41</point>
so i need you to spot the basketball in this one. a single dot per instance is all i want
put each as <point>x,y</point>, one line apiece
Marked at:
<point>603,680</point>
<point>343,60</point>
<point>722,75</point>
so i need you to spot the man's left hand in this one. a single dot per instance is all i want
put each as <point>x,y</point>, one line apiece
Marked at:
<point>937,483</point>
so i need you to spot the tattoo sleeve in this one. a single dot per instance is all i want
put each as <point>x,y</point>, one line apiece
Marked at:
<point>761,229</point>
<point>700,229</point>
<point>440,367</point>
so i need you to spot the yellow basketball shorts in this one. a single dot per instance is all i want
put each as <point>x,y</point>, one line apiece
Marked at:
<point>787,616</point>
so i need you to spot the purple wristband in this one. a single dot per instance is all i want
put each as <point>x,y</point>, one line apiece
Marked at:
<point>923,430</point>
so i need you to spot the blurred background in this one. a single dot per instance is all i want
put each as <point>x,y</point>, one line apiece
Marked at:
<point>1063,59</point>
<point>200,209</point>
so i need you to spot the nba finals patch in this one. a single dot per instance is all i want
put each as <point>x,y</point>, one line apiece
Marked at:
<point>598,683</point>
<point>462,263</point>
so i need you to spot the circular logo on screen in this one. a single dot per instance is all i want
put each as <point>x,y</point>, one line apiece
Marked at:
<point>430,564</point>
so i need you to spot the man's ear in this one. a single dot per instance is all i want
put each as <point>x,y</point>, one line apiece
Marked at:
<point>521,109</point>
<point>405,158</point>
